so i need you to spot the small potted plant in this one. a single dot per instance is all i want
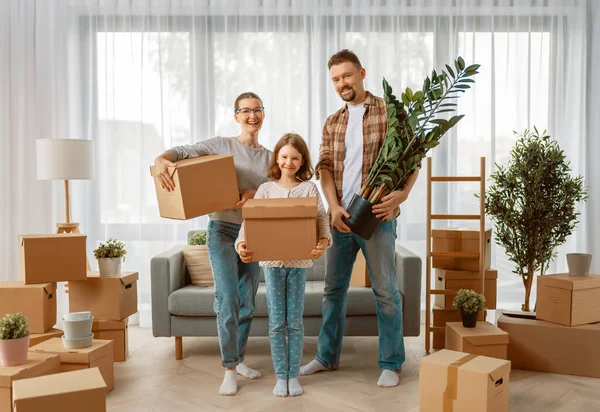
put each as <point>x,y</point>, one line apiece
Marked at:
<point>196,260</point>
<point>469,303</point>
<point>110,255</point>
<point>14,339</point>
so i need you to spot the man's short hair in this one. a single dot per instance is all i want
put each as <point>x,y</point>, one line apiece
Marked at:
<point>342,57</point>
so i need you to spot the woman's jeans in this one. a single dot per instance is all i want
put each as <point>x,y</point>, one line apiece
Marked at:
<point>285,301</point>
<point>236,284</point>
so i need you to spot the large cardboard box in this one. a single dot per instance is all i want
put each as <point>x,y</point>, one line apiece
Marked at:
<point>452,381</point>
<point>540,346</point>
<point>443,316</point>
<point>107,297</point>
<point>99,355</point>
<point>281,229</point>
<point>360,273</point>
<point>76,391</point>
<point>116,331</point>
<point>465,279</point>
<point>485,339</point>
<point>35,338</point>
<point>38,364</point>
<point>36,302</point>
<point>53,258</point>
<point>460,240</point>
<point>568,300</point>
<point>203,185</point>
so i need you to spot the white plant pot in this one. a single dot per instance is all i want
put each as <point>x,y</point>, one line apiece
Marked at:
<point>579,264</point>
<point>79,343</point>
<point>76,329</point>
<point>109,266</point>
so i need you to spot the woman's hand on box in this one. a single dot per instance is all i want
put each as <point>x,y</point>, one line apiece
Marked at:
<point>161,170</point>
<point>245,254</point>
<point>244,197</point>
<point>320,249</point>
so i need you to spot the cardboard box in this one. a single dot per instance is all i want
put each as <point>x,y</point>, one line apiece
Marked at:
<point>107,297</point>
<point>281,229</point>
<point>460,240</point>
<point>36,302</point>
<point>53,258</point>
<point>99,355</point>
<point>485,339</point>
<point>38,364</point>
<point>568,300</point>
<point>116,331</point>
<point>77,391</point>
<point>443,316</point>
<point>35,338</point>
<point>360,273</point>
<point>452,381</point>
<point>465,279</point>
<point>540,346</point>
<point>203,185</point>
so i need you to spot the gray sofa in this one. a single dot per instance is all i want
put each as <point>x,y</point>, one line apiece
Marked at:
<point>182,309</point>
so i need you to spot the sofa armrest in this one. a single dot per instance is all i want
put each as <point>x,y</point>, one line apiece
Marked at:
<point>167,274</point>
<point>409,268</point>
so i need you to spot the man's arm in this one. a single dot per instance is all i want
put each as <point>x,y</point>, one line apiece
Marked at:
<point>392,201</point>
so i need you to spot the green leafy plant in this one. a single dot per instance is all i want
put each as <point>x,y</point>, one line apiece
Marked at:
<point>533,204</point>
<point>111,249</point>
<point>14,326</point>
<point>468,301</point>
<point>198,238</point>
<point>414,126</point>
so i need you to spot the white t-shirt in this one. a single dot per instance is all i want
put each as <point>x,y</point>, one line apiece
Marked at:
<point>353,161</point>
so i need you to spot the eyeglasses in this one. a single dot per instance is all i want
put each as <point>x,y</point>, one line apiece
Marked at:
<point>246,112</point>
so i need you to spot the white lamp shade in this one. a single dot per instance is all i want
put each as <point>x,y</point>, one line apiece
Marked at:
<point>65,159</point>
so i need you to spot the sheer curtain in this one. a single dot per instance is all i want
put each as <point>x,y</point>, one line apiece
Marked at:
<point>138,77</point>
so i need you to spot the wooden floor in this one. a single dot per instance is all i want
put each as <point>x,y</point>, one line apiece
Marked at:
<point>152,380</point>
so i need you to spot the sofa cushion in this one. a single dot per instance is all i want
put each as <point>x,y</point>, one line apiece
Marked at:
<point>198,301</point>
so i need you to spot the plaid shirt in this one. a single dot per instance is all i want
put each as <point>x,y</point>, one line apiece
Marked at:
<point>333,148</point>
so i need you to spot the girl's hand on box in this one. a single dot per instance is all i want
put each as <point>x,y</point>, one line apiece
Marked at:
<point>244,197</point>
<point>245,254</point>
<point>320,249</point>
<point>161,171</point>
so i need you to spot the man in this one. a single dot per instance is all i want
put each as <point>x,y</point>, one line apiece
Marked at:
<point>352,138</point>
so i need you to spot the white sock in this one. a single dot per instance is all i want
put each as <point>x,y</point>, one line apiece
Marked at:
<point>312,367</point>
<point>294,387</point>
<point>280,388</point>
<point>229,385</point>
<point>247,372</point>
<point>388,379</point>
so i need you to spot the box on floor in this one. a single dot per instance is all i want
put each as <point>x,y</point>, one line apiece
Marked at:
<point>36,302</point>
<point>203,185</point>
<point>460,240</point>
<point>360,273</point>
<point>454,381</point>
<point>117,331</point>
<point>107,297</point>
<point>485,339</point>
<point>465,279</point>
<point>99,355</point>
<point>82,390</point>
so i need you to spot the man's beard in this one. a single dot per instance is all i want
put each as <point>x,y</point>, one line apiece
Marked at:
<point>348,97</point>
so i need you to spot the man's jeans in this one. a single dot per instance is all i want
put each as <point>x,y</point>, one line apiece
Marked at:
<point>380,257</point>
<point>236,284</point>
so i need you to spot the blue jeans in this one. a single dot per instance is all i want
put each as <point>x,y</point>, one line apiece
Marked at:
<point>236,284</point>
<point>380,257</point>
<point>285,300</point>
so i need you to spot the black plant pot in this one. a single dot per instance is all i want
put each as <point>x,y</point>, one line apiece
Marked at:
<point>362,221</point>
<point>469,320</point>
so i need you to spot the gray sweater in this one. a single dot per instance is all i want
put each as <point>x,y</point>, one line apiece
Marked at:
<point>251,166</point>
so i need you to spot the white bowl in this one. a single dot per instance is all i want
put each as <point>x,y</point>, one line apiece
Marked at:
<point>77,316</point>
<point>76,329</point>
<point>78,343</point>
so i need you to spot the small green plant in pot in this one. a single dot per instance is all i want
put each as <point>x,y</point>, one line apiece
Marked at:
<point>196,260</point>
<point>14,339</point>
<point>109,256</point>
<point>469,303</point>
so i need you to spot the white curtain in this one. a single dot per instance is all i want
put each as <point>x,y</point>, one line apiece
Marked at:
<point>140,76</point>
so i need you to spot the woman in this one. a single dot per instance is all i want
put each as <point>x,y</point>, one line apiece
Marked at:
<point>236,282</point>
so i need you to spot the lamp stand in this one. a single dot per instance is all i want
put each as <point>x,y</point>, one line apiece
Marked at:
<point>70,227</point>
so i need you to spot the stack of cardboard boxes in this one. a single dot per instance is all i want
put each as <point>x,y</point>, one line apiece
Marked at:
<point>460,273</point>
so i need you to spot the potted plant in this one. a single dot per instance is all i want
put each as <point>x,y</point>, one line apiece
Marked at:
<point>196,260</point>
<point>469,303</point>
<point>415,124</point>
<point>14,339</point>
<point>110,255</point>
<point>532,202</point>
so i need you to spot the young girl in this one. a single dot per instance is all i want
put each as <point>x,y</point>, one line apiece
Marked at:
<point>290,172</point>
